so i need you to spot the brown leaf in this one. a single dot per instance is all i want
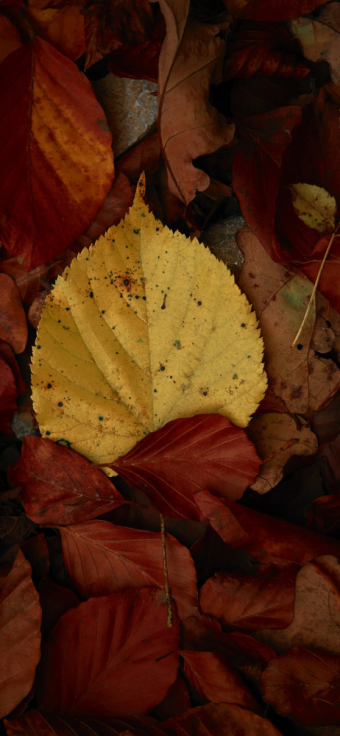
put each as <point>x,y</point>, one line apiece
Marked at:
<point>13,323</point>
<point>188,64</point>
<point>277,437</point>
<point>20,617</point>
<point>209,720</point>
<point>62,27</point>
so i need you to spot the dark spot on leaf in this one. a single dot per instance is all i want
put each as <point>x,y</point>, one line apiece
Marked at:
<point>49,385</point>
<point>199,303</point>
<point>64,443</point>
<point>91,294</point>
<point>136,230</point>
<point>299,346</point>
<point>205,393</point>
<point>243,324</point>
<point>103,311</point>
<point>101,419</point>
<point>296,393</point>
<point>48,432</point>
<point>126,282</point>
<point>38,346</point>
<point>60,403</point>
<point>235,376</point>
<point>177,344</point>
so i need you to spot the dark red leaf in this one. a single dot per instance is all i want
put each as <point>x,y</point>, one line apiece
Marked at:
<point>324,514</point>
<point>110,23</point>
<point>58,485</point>
<point>7,354</point>
<point>20,618</point>
<point>216,680</point>
<point>109,656</point>
<point>188,455</point>
<point>145,156</point>
<point>102,558</point>
<point>304,683</point>
<point>55,600</point>
<point>210,720</point>
<point>176,701</point>
<point>140,62</point>
<point>34,723</point>
<point>8,395</point>
<point>13,323</point>
<point>269,539</point>
<point>271,10</point>
<point>264,600</point>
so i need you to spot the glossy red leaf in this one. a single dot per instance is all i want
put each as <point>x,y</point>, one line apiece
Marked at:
<point>256,168</point>
<point>188,455</point>
<point>20,618</point>
<point>211,719</point>
<point>268,538</point>
<point>33,723</point>
<point>262,49</point>
<point>55,173</point>
<point>264,600</point>
<point>304,683</point>
<point>8,395</point>
<point>102,558</point>
<point>216,680</point>
<point>13,323</point>
<point>249,656</point>
<point>109,656</point>
<point>58,485</point>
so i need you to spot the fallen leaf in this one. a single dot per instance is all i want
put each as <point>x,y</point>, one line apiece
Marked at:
<point>8,395</point>
<point>187,455</point>
<point>304,684</point>
<point>262,49</point>
<point>216,680</point>
<point>110,23</point>
<point>323,514</point>
<point>319,37</point>
<point>124,657</point>
<point>269,10</point>
<point>252,602</point>
<point>53,194</point>
<point>128,348</point>
<point>9,38</point>
<point>176,701</point>
<point>36,553</point>
<point>316,612</point>
<point>13,323</point>
<point>33,723</point>
<point>62,27</point>
<point>212,719</point>
<point>7,353</point>
<point>187,68</point>
<point>267,538</point>
<point>102,558</point>
<point>144,156</point>
<point>256,168</point>
<point>27,283</point>
<point>20,620</point>
<point>314,206</point>
<point>55,600</point>
<point>140,61</point>
<point>276,438</point>
<point>298,375</point>
<point>58,485</point>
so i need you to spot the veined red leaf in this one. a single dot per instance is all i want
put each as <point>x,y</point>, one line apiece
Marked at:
<point>188,455</point>
<point>102,558</point>
<point>33,723</point>
<point>20,618</point>
<point>111,655</point>
<point>58,485</point>
<point>211,719</point>
<point>56,157</point>
<point>304,684</point>
<point>252,602</point>
<point>216,680</point>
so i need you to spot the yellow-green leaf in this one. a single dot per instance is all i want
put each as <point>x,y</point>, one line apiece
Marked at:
<point>314,206</point>
<point>144,327</point>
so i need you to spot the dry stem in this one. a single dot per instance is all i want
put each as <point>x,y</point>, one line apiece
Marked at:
<point>166,580</point>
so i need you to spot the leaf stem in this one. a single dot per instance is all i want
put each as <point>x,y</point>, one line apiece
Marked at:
<point>312,296</point>
<point>165,570</point>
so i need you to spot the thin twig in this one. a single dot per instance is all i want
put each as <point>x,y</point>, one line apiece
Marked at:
<point>165,570</point>
<point>312,296</point>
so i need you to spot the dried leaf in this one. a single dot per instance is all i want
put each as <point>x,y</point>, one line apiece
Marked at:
<point>59,486</point>
<point>212,719</point>
<point>20,620</point>
<point>8,395</point>
<point>62,27</point>
<point>13,323</point>
<point>110,23</point>
<point>252,602</point>
<point>314,206</point>
<point>33,723</point>
<point>319,37</point>
<point>127,348</point>
<point>63,165</point>
<point>9,38</point>
<point>270,10</point>
<point>123,656</point>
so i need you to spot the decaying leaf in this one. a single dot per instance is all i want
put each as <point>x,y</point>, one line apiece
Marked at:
<point>319,37</point>
<point>315,207</point>
<point>144,327</point>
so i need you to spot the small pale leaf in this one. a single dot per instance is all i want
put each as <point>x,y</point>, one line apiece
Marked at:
<point>314,206</point>
<point>143,328</point>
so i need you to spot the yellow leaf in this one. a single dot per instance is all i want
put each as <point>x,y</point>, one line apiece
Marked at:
<point>314,206</point>
<point>144,327</point>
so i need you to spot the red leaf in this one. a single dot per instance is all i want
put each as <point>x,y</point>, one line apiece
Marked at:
<point>110,23</point>
<point>34,723</point>
<point>305,684</point>
<point>187,455</point>
<point>269,539</point>
<point>13,323</point>
<point>102,558</point>
<point>210,720</point>
<point>55,174</point>
<point>145,156</point>
<point>140,62</point>
<point>176,701</point>
<point>271,10</point>
<point>20,617</point>
<point>8,395</point>
<point>111,655</point>
<point>253,602</point>
<point>262,49</point>
<point>256,168</point>
<point>55,600</point>
<point>216,680</point>
<point>58,485</point>
<point>7,353</point>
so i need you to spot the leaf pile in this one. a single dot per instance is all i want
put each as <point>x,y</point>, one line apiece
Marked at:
<point>169,432</point>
